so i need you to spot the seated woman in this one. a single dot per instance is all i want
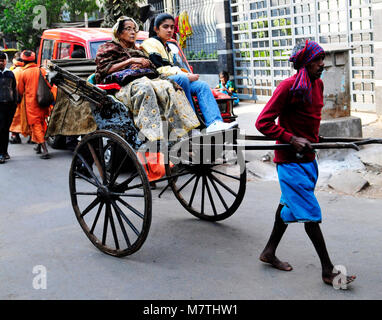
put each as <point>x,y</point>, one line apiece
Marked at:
<point>149,100</point>
<point>161,56</point>
<point>227,86</point>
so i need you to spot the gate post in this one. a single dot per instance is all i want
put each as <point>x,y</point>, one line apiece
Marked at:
<point>224,35</point>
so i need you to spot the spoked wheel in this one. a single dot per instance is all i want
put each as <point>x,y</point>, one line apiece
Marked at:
<point>211,191</point>
<point>110,193</point>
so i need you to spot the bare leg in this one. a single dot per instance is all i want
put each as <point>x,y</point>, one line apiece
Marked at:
<point>45,154</point>
<point>269,253</point>
<point>314,232</point>
<point>38,148</point>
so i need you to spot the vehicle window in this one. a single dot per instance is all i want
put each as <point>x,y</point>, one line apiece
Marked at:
<point>63,50</point>
<point>94,47</point>
<point>47,50</point>
<point>178,58</point>
<point>78,52</point>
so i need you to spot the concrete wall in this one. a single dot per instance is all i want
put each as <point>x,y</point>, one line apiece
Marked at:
<point>341,127</point>
<point>336,84</point>
<point>336,118</point>
<point>377,28</point>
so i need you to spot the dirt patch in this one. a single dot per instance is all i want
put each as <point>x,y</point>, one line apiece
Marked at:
<point>373,129</point>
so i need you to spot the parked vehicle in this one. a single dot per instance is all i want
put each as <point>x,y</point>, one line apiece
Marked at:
<point>60,43</point>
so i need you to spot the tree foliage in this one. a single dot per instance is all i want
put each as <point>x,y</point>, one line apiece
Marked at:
<point>113,9</point>
<point>78,8</point>
<point>17,17</point>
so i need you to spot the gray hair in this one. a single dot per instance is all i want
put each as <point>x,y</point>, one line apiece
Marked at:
<point>121,21</point>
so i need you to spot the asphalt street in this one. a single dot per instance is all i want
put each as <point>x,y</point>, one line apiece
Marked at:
<point>183,257</point>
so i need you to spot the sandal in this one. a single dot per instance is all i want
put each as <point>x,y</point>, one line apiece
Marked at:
<point>15,140</point>
<point>45,156</point>
<point>37,149</point>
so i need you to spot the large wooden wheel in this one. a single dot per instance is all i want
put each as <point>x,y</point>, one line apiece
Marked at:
<point>110,193</point>
<point>212,189</point>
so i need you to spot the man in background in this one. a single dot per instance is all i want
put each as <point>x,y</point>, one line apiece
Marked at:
<point>8,103</point>
<point>27,87</point>
<point>19,117</point>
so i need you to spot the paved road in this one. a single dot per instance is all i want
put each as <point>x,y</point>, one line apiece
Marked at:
<point>183,257</point>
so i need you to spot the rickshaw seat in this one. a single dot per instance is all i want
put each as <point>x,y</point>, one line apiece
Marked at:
<point>108,86</point>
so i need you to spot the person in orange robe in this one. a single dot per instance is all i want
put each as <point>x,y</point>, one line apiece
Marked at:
<point>15,128</point>
<point>27,87</point>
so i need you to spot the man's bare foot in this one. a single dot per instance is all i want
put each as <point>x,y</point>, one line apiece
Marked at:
<point>276,263</point>
<point>329,279</point>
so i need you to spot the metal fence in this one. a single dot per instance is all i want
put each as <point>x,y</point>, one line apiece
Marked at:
<point>264,32</point>
<point>202,45</point>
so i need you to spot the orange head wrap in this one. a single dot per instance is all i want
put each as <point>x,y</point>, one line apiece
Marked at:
<point>28,56</point>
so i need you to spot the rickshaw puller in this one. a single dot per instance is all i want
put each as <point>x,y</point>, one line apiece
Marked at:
<point>297,103</point>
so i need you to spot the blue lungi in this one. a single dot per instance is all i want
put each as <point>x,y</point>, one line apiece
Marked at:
<point>297,183</point>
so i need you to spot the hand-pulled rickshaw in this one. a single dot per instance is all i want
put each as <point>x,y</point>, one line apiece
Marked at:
<point>109,186</point>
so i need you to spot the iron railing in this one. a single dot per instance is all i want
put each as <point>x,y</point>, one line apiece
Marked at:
<point>202,45</point>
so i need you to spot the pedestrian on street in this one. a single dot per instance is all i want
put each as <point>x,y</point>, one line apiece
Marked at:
<point>28,86</point>
<point>19,117</point>
<point>16,58</point>
<point>227,86</point>
<point>297,103</point>
<point>8,103</point>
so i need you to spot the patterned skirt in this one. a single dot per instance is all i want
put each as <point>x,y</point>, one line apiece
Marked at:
<point>156,105</point>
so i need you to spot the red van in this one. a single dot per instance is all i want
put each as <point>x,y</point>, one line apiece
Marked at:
<point>60,43</point>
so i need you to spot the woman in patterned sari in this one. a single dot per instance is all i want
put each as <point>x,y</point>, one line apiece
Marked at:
<point>150,99</point>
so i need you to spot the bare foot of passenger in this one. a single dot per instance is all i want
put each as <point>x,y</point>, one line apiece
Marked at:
<point>276,263</point>
<point>338,279</point>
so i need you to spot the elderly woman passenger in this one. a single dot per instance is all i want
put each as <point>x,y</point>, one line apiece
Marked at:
<point>150,99</point>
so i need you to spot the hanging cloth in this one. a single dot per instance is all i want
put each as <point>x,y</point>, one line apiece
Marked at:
<point>185,29</point>
<point>176,28</point>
